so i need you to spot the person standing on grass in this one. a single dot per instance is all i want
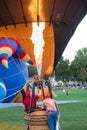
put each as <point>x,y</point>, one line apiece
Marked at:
<point>52,112</point>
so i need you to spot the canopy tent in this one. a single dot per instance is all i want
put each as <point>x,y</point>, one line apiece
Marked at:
<point>61,18</point>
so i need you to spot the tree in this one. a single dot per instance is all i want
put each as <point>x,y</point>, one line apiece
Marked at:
<point>79,65</point>
<point>62,71</point>
<point>32,70</point>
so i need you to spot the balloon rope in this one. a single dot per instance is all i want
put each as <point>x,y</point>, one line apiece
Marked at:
<point>13,75</point>
<point>15,87</point>
<point>11,95</point>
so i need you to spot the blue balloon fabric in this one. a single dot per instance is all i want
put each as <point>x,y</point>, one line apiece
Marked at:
<point>2,91</point>
<point>12,79</point>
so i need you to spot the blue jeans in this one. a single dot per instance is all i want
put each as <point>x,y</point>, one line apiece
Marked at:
<point>52,120</point>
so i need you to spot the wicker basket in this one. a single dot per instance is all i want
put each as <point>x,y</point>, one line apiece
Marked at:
<point>36,120</point>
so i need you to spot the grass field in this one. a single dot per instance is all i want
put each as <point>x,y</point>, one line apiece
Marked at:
<point>73,115</point>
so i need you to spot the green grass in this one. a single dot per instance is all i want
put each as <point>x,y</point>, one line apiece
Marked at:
<point>73,115</point>
<point>11,118</point>
<point>73,94</point>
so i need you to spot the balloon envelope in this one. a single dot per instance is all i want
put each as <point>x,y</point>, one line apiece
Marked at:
<point>61,19</point>
<point>14,78</point>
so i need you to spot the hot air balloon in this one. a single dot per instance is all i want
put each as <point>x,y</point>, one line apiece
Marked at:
<point>13,69</point>
<point>57,19</point>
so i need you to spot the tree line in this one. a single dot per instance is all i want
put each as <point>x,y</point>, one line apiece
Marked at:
<point>74,71</point>
<point>66,71</point>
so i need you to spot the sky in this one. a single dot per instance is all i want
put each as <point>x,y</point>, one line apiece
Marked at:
<point>78,40</point>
